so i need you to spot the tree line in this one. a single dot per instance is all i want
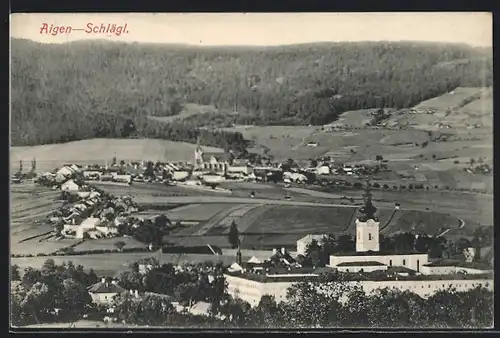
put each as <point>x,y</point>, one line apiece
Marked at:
<point>95,89</point>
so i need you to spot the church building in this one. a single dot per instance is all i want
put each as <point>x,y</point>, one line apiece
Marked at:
<point>368,256</point>
<point>211,162</point>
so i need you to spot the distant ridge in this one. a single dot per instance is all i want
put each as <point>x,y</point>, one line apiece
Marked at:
<point>94,88</point>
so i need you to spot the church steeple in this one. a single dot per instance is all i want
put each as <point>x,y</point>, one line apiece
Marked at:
<point>368,210</point>
<point>367,225</point>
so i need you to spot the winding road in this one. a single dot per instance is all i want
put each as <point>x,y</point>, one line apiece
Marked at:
<point>460,221</point>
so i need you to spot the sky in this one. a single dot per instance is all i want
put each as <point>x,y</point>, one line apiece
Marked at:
<point>262,29</point>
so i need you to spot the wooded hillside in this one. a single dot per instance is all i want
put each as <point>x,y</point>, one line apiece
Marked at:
<point>99,89</point>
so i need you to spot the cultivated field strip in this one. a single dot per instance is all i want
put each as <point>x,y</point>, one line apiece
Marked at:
<point>216,220</point>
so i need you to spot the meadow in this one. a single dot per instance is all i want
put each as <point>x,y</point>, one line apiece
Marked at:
<point>99,151</point>
<point>452,99</point>
<point>112,263</point>
<point>189,109</point>
<point>109,244</point>
<point>281,142</point>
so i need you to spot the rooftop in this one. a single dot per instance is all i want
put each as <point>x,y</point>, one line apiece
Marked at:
<point>367,263</point>
<point>105,287</point>
<point>379,253</point>
<point>312,237</point>
<point>376,276</point>
<point>459,263</point>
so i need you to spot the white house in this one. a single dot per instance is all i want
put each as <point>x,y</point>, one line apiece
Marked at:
<point>84,194</point>
<point>305,241</point>
<point>64,173</point>
<point>122,178</point>
<point>107,230</point>
<point>180,175</point>
<point>104,291</point>
<point>240,169</point>
<point>295,177</point>
<point>323,170</point>
<point>87,225</point>
<point>92,174</point>
<point>70,186</point>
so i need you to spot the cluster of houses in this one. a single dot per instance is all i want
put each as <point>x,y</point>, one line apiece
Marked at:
<point>92,214</point>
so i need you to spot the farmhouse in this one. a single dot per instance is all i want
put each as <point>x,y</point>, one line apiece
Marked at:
<point>104,291</point>
<point>66,172</point>
<point>323,170</point>
<point>70,186</point>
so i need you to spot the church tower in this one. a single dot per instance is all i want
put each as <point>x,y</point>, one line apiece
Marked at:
<point>198,155</point>
<point>367,225</point>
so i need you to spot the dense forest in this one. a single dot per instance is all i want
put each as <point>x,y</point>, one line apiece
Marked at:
<point>63,92</point>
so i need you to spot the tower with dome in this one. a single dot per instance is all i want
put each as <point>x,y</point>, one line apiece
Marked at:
<point>367,225</point>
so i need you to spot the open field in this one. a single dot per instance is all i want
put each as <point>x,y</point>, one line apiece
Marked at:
<point>30,205</point>
<point>112,263</point>
<point>299,219</point>
<point>109,244</point>
<point>279,141</point>
<point>188,110</point>
<point>455,98</point>
<point>267,226</point>
<point>196,212</point>
<point>98,151</point>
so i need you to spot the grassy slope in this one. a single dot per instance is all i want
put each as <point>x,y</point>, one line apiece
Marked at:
<point>50,156</point>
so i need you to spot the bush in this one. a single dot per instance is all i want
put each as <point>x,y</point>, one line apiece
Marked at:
<point>376,185</point>
<point>386,186</point>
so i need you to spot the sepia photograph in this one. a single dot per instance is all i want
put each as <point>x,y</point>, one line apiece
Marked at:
<point>251,171</point>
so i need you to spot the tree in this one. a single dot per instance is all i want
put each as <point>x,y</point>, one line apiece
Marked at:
<point>33,165</point>
<point>482,236</point>
<point>345,244</point>
<point>49,267</point>
<point>149,172</point>
<point>379,158</point>
<point>266,314</point>
<point>233,235</point>
<point>14,273</point>
<point>113,162</point>
<point>37,301</point>
<point>119,245</point>
<point>186,293</point>
<point>76,299</point>
<point>313,253</point>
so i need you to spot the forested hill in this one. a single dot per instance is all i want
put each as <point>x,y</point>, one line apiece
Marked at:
<point>80,90</point>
